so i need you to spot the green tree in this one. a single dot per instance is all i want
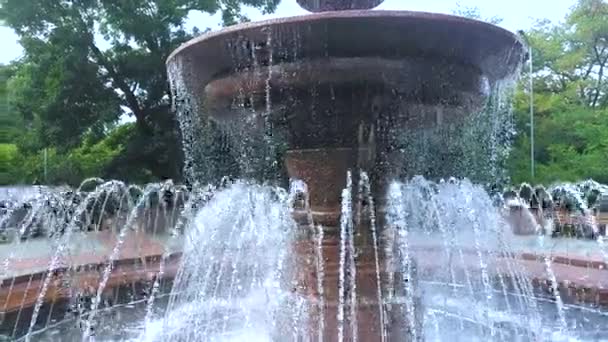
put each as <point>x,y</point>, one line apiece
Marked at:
<point>11,127</point>
<point>89,61</point>
<point>570,62</point>
<point>10,124</point>
<point>572,58</point>
<point>474,13</point>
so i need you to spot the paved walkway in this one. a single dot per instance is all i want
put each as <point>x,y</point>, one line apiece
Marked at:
<point>33,256</point>
<point>589,250</point>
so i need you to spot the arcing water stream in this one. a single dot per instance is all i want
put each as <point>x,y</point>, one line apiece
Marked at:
<point>236,274</point>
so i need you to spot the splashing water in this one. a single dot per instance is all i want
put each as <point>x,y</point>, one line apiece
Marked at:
<point>320,278</point>
<point>345,227</point>
<point>458,269</point>
<point>397,220</point>
<point>236,279</point>
<point>366,191</point>
<point>471,294</point>
<point>112,188</point>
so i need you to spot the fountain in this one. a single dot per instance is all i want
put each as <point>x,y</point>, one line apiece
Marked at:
<point>336,89</point>
<point>329,234</point>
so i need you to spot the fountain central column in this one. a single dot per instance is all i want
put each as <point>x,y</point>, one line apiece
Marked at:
<point>327,149</point>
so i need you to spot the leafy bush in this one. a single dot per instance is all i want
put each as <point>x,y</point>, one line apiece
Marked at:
<point>71,167</point>
<point>8,168</point>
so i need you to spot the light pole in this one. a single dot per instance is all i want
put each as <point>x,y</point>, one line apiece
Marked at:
<point>531,89</point>
<point>531,80</point>
<point>46,161</point>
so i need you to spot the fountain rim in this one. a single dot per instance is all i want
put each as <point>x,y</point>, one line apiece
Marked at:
<point>307,18</point>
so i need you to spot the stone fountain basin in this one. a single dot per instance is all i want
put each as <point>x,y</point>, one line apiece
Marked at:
<point>413,56</point>
<point>459,89</point>
<point>495,52</point>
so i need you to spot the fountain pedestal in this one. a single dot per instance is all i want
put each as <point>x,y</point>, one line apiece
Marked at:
<point>324,172</point>
<point>378,316</point>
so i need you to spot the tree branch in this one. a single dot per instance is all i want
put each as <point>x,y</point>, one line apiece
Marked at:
<point>118,81</point>
<point>122,85</point>
<point>600,76</point>
<point>598,87</point>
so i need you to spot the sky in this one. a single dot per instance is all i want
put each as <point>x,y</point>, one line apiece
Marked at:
<point>516,15</point>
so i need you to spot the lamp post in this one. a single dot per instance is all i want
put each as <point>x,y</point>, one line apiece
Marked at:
<point>46,161</point>
<point>531,80</point>
<point>531,89</point>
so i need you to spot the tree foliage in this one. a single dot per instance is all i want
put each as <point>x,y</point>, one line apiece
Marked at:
<point>570,62</point>
<point>474,13</point>
<point>88,62</point>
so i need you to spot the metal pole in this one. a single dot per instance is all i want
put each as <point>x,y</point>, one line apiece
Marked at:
<point>45,166</point>
<point>531,117</point>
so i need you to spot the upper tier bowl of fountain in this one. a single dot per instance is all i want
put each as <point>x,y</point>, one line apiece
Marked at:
<point>333,84</point>
<point>388,59</point>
